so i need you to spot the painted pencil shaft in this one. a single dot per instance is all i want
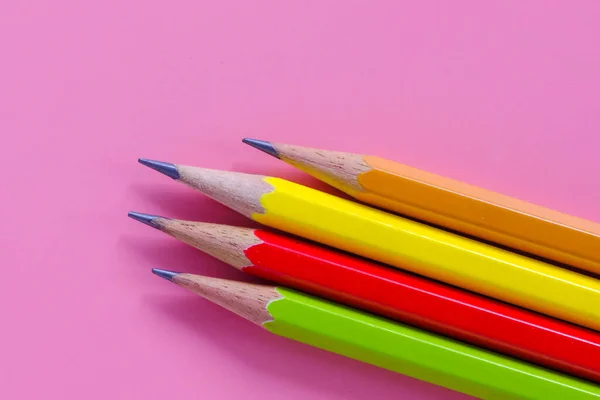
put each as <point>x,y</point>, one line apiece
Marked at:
<point>394,294</point>
<point>386,344</point>
<point>451,204</point>
<point>404,243</point>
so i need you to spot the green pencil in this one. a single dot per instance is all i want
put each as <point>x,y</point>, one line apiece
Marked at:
<point>384,343</point>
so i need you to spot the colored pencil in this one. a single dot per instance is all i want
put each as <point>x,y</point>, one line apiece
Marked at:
<point>386,344</point>
<point>449,203</point>
<point>399,242</point>
<point>393,294</point>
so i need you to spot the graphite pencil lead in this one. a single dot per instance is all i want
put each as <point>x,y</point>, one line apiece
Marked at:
<point>163,273</point>
<point>147,219</point>
<point>262,146</point>
<point>164,168</point>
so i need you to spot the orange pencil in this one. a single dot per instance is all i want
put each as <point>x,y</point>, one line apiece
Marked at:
<point>451,204</point>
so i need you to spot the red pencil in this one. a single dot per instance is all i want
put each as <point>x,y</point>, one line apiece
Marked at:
<point>395,294</point>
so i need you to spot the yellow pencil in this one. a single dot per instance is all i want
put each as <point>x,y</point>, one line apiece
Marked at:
<point>399,242</point>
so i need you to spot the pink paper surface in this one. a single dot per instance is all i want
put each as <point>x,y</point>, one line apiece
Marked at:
<point>501,94</point>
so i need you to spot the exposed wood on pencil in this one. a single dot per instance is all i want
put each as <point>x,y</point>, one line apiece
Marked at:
<point>341,168</point>
<point>226,243</point>
<point>247,300</point>
<point>239,191</point>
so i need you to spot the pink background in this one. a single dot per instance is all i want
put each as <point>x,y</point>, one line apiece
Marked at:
<point>502,94</point>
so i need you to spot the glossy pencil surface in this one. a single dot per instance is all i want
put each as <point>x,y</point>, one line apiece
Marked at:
<point>404,243</point>
<point>397,295</point>
<point>386,344</point>
<point>449,203</point>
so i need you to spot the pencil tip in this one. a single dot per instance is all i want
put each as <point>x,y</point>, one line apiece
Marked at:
<point>262,146</point>
<point>163,273</point>
<point>162,167</point>
<point>147,219</point>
